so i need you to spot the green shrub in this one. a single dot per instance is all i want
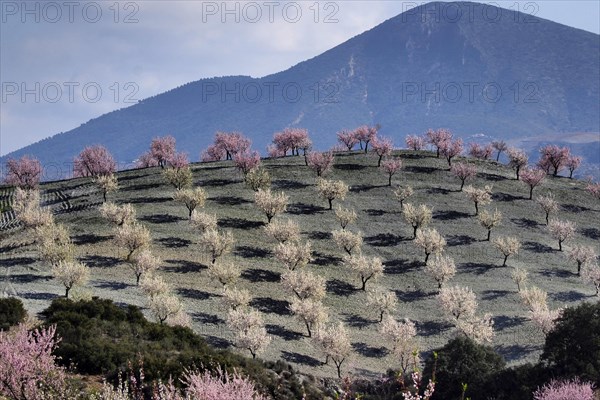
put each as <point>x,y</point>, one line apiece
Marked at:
<point>12,312</point>
<point>462,361</point>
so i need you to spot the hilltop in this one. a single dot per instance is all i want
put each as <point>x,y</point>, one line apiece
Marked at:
<point>386,234</point>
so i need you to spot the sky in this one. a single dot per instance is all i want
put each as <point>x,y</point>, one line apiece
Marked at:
<point>63,62</point>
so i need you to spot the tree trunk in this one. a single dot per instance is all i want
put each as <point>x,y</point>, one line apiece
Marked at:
<point>269,218</point>
<point>104,195</point>
<point>462,185</point>
<point>190,209</point>
<point>504,263</point>
<point>498,157</point>
<point>488,235</point>
<point>308,329</point>
<point>438,152</point>
<point>338,365</point>
<point>476,208</point>
<point>570,174</point>
<point>305,159</point>
<point>330,204</point>
<point>547,215</point>
<point>67,292</point>
<point>530,192</point>
<point>379,161</point>
<point>364,284</point>
<point>578,267</point>
<point>137,279</point>
<point>426,257</point>
<point>560,245</point>
<point>518,168</point>
<point>366,147</point>
<point>390,180</point>
<point>415,232</point>
<point>381,316</point>
<point>440,285</point>
<point>555,173</point>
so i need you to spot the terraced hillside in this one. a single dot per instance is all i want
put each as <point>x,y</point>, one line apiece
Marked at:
<point>386,234</point>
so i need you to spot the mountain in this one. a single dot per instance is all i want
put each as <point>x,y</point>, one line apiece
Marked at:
<point>478,70</point>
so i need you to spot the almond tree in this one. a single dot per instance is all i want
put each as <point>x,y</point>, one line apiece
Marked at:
<point>133,237</point>
<point>479,328</point>
<point>191,198</point>
<point>162,149</point>
<point>593,189</point>
<point>166,308</point>
<point>591,274</point>
<point>490,220</point>
<point>293,255</point>
<point>107,184</point>
<point>519,276</point>
<point>430,241</point>
<point>347,138</point>
<point>532,177</point>
<point>415,143</point>
<point>28,369</point>
<point>438,139</point>
<point>246,161</point>
<point>258,178</point>
<point>457,302</point>
<point>382,146</point>
<point>479,196</point>
<point>320,163</point>
<point>332,190</point>
<point>153,285</point>
<point>517,159</point>
<point>366,268</point>
<point>26,205</point>
<point>144,263</point>
<point>382,301</point>
<point>508,246</point>
<point>553,158</point>
<point>24,173</point>
<point>234,298</point>
<point>582,255</point>
<point>403,193</point>
<point>345,216</point>
<point>54,244</point>
<point>203,222</point>
<point>540,314</point>
<point>451,149</point>
<point>334,342</point>
<point>254,339</point>
<point>71,273</point>
<point>419,216</point>
<point>118,215</point>
<point>366,134</point>
<point>561,230</point>
<point>403,337</point>
<point>348,241</point>
<point>565,390</point>
<point>292,139</point>
<point>500,146</point>
<point>94,161</point>
<point>572,164</point>
<point>179,178</point>
<point>548,204</point>
<point>216,244</point>
<point>464,172</point>
<point>229,144</point>
<point>146,161</point>
<point>283,231</point>
<point>390,167</point>
<point>227,273</point>
<point>481,152</point>
<point>441,269</point>
<point>270,203</point>
<point>304,284</point>
<point>312,312</point>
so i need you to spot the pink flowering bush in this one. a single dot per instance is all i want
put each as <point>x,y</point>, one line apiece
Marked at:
<point>94,161</point>
<point>24,173</point>
<point>553,158</point>
<point>565,390</point>
<point>415,142</point>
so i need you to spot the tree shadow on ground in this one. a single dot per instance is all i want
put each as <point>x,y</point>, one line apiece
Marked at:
<point>229,200</point>
<point>217,182</point>
<point>305,209</point>
<point>184,266</point>
<point>205,318</point>
<point>432,328</point>
<point>357,321</point>
<point>375,213</point>
<point>160,219</point>
<point>494,294</point>
<point>286,184</point>
<point>100,261</point>
<point>17,261</point>
<point>239,223</point>
<point>271,306</point>
<point>39,296</point>
<point>525,222</point>
<point>350,167</point>
<point>476,268</point>
<point>559,273</point>
<point>318,235</point>
<point>413,295</point>
<point>514,352</point>
<point>28,278</point>
<point>384,240</point>
<point>502,322</point>
<point>325,259</point>
<point>568,296</point>
<point>538,247</point>
<point>149,200</point>
<point>369,351</point>
<point>174,242</point>
<point>89,239</point>
<point>283,332</point>
<point>104,284</point>
<point>419,169</point>
<point>460,240</point>
<point>400,266</point>
<point>499,196</point>
<point>364,188</point>
<point>449,215</point>
<point>592,233</point>
<point>255,275</point>
<point>574,208</point>
<point>194,294</point>
<point>439,190</point>
<point>251,252</point>
<point>300,359</point>
<point>340,288</point>
<point>492,177</point>
<point>140,187</point>
<point>218,342</point>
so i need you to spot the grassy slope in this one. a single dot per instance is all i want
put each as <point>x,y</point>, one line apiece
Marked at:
<point>386,235</point>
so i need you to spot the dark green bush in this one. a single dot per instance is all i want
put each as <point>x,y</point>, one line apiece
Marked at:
<point>12,312</point>
<point>573,347</point>
<point>463,361</point>
<point>98,337</point>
